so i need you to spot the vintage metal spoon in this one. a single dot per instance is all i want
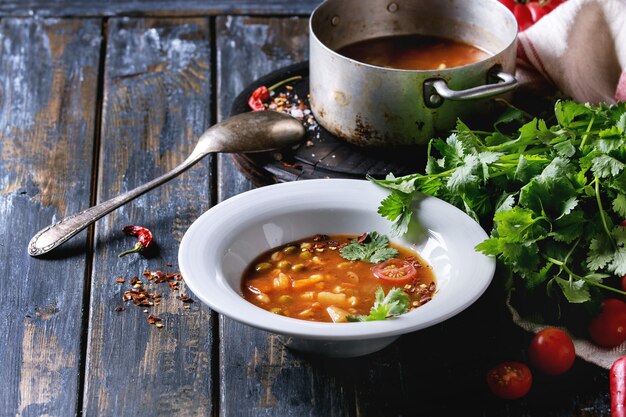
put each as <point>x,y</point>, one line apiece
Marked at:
<point>248,132</point>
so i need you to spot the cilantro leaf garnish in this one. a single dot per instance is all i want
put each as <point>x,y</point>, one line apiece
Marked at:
<point>374,248</point>
<point>553,196</point>
<point>393,304</point>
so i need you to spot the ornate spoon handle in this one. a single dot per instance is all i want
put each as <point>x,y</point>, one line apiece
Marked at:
<point>248,132</point>
<point>58,233</point>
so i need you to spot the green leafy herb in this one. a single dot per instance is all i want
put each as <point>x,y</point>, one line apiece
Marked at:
<point>396,302</point>
<point>372,247</point>
<point>554,197</point>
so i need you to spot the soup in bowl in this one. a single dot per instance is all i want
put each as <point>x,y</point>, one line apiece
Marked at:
<point>339,279</point>
<point>220,245</point>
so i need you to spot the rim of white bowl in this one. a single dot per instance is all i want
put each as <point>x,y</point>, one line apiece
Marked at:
<point>359,195</point>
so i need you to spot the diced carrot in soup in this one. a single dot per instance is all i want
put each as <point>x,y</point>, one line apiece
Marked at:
<point>307,282</point>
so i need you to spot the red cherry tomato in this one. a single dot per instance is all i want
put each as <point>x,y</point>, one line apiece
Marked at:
<point>395,271</point>
<point>613,304</point>
<point>523,16</point>
<point>623,283</point>
<point>510,380</point>
<point>608,329</point>
<point>529,12</point>
<point>552,351</point>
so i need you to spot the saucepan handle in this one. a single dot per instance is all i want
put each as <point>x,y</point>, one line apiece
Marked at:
<point>436,90</point>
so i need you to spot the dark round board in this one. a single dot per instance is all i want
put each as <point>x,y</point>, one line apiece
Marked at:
<point>321,155</point>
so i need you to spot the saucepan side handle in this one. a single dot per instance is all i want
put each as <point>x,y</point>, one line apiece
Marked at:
<point>436,90</point>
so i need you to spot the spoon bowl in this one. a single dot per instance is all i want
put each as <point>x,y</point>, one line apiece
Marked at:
<point>248,132</point>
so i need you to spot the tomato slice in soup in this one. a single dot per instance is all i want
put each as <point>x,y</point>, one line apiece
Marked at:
<point>395,271</point>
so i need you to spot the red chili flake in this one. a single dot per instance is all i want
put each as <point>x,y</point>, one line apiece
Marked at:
<point>141,297</point>
<point>160,276</point>
<point>318,238</point>
<point>168,265</point>
<point>120,280</point>
<point>145,239</point>
<point>262,94</point>
<point>292,166</point>
<point>362,238</point>
<point>119,308</point>
<point>186,299</point>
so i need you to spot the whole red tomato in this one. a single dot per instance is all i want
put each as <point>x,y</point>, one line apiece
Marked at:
<point>510,380</point>
<point>552,351</point>
<point>608,329</point>
<point>528,12</point>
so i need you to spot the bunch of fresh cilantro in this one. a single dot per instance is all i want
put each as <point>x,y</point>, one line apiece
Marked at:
<point>553,196</point>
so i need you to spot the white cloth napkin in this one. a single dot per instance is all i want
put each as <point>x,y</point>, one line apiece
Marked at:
<point>579,48</point>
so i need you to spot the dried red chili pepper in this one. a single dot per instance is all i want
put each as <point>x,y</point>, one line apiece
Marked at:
<point>144,235</point>
<point>257,98</point>
<point>262,94</point>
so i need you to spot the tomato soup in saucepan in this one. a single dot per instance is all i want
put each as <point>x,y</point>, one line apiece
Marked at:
<point>413,52</point>
<point>310,280</point>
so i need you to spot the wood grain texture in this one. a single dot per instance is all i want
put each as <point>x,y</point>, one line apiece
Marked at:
<point>48,84</point>
<point>156,103</point>
<point>247,48</point>
<point>59,8</point>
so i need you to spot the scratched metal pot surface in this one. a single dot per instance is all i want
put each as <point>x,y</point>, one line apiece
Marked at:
<point>375,106</point>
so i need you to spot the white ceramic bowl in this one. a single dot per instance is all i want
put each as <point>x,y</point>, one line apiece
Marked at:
<point>220,244</point>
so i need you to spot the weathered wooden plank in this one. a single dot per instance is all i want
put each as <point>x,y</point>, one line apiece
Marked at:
<point>156,103</point>
<point>258,375</point>
<point>249,47</point>
<point>48,85</point>
<point>59,8</point>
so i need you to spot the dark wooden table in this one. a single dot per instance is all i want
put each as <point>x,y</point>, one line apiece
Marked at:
<point>98,97</point>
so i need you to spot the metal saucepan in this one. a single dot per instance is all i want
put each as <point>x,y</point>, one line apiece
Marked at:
<point>375,106</point>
